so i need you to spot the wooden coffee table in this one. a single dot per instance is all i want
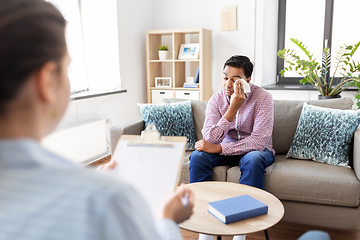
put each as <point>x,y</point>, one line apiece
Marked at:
<point>203,222</point>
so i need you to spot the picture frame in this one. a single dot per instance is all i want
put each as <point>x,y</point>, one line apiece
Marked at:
<point>163,82</point>
<point>189,51</point>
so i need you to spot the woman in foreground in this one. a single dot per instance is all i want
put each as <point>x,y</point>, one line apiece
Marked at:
<point>43,196</point>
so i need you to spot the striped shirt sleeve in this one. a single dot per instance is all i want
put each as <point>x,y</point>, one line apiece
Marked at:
<point>261,135</point>
<point>216,126</point>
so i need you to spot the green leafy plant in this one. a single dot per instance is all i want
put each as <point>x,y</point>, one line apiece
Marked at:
<point>315,73</point>
<point>163,48</point>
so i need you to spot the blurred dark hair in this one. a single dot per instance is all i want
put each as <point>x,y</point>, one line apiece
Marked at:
<point>243,62</point>
<point>32,33</point>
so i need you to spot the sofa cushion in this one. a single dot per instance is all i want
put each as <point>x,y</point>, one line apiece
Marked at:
<point>312,182</point>
<point>308,181</point>
<point>198,110</point>
<point>185,176</point>
<point>219,173</point>
<point>174,119</point>
<point>286,117</point>
<point>324,135</point>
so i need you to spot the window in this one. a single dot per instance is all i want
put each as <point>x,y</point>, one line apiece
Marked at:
<point>92,38</point>
<point>346,14</point>
<point>314,23</point>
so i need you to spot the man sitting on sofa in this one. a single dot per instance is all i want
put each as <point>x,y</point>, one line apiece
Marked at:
<point>237,129</point>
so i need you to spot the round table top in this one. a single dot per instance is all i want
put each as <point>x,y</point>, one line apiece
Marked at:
<point>203,222</point>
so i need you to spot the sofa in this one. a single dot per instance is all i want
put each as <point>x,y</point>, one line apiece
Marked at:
<point>312,193</point>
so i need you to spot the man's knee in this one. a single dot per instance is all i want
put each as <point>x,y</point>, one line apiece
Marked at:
<point>253,159</point>
<point>197,158</point>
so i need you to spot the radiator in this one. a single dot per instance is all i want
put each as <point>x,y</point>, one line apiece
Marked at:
<point>79,143</point>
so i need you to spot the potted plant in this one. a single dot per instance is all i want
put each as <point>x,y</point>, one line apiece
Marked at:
<point>163,51</point>
<point>315,73</point>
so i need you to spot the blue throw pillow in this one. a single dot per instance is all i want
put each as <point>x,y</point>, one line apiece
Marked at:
<point>171,119</point>
<point>324,135</point>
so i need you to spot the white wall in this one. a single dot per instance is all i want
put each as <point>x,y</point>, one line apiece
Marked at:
<point>255,37</point>
<point>206,14</point>
<point>121,107</point>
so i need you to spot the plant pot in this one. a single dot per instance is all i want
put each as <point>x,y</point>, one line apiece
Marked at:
<point>320,97</point>
<point>163,55</point>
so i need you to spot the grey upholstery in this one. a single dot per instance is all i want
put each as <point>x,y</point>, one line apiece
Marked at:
<point>286,117</point>
<point>132,127</point>
<point>312,193</point>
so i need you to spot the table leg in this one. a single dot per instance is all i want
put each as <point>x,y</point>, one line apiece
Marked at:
<point>218,238</point>
<point>266,235</point>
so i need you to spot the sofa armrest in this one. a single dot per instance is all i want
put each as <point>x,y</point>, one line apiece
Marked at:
<point>356,154</point>
<point>132,127</point>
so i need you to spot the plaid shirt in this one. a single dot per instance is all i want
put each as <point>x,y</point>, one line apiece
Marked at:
<point>251,129</point>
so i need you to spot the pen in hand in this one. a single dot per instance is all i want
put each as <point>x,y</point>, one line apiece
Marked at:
<point>180,206</point>
<point>185,199</point>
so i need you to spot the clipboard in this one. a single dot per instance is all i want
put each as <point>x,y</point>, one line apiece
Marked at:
<point>151,164</point>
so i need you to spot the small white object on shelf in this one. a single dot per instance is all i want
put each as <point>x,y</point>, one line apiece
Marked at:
<point>189,80</point>
<point>163,82</point>
<point>163,55</point>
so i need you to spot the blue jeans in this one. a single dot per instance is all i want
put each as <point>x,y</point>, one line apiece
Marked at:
<point>252,166</point>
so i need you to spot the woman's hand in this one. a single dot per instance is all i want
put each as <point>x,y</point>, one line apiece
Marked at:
<point>107,166</point>
<point>174,208</point>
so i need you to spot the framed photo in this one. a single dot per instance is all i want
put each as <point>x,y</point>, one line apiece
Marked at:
<point>189,51</point>
<point>163,82</point>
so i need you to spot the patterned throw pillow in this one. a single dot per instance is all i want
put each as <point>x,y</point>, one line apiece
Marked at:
<point>324,135</point>
<point>171,119</point>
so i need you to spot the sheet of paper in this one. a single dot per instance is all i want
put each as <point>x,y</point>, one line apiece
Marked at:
<point>153,171</point>
<point>228,19</point>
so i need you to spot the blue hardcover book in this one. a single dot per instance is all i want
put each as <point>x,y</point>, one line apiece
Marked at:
<point>197,76</point>
<point>190,85</point>
<point>237,208</point>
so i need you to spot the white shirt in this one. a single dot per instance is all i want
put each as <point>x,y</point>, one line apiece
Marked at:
<point>43,196</point>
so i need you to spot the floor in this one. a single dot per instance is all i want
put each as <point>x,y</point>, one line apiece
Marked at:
<point>286,231</point>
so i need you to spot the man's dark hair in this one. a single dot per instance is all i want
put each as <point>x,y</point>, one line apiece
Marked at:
<point>32,33</point>
<point>243,62</point>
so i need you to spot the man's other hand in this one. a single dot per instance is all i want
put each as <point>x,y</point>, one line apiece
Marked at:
<point>205,146</point>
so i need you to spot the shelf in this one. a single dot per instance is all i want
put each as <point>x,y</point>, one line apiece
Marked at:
<point>186,60</point>
<point>170,31</point>
<point>178,69</point>
<point>191,89</point>
<point>161,88</point>
<point>160,60</point>
<point>176,60</point>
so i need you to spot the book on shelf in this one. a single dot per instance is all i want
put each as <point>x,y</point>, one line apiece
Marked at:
<point>197,76</point>
<point>237,208</point>
<point>190,85</point>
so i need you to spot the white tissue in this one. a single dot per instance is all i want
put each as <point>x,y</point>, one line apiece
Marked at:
<point>245,85</point>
